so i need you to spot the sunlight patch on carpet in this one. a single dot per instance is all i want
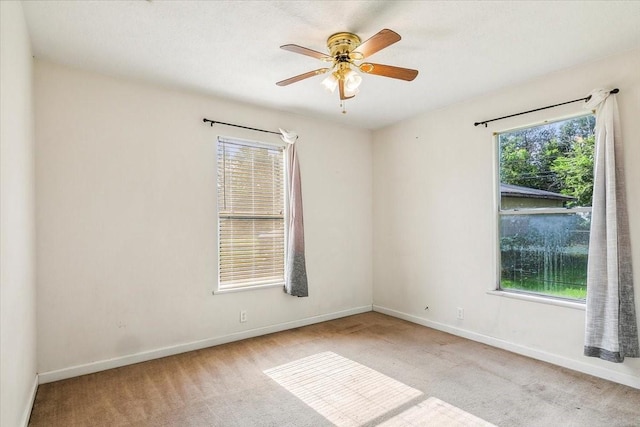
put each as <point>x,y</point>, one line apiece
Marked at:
<point>343,391</point>
<point>434,412</point>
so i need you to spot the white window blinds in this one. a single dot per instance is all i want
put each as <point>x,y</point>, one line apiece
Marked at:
<point>251,214</point>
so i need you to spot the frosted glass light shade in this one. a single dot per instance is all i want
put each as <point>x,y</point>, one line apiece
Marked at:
<point>330,83</point>
<point>351,81</point>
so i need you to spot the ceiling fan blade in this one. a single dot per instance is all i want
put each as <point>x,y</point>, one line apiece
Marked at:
<point>389,71</point>
<point>378,42</point>
<point>302,76</point>
<point>342,95</point>
<point>304,51</point>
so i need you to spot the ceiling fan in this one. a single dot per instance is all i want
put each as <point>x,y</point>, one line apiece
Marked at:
<point>346,50</point>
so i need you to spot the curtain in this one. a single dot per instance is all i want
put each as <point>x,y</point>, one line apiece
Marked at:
<point>611,330</point>
<point>296,271</point>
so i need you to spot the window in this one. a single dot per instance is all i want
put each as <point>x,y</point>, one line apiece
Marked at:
<point>251,214</point>
<point>546,184</point>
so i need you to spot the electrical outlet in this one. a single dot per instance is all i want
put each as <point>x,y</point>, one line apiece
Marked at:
<point>243,316</point>
<point>460,313</point>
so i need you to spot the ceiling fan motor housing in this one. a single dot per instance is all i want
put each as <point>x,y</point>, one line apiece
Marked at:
<point>342,44</point>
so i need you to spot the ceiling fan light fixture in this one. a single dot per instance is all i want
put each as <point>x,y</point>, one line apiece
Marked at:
<point>352,81</point>
<point>330,83</point>
<point>346,50</point>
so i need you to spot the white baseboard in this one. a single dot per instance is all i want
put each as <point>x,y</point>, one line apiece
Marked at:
<point>596,371</point>
<point>102,365</point>
<point>32,398</point>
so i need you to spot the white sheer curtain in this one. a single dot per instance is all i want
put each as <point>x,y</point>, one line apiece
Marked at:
<point>296,271</point>
<point>611,330</point>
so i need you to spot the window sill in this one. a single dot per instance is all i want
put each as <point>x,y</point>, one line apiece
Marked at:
<point>539,299</point>
<point>247,288</point>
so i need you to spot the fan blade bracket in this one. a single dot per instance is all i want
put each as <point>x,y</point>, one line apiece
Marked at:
<point>366,67</point>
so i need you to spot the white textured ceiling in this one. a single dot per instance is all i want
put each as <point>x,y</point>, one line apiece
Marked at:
<point>231,48</point>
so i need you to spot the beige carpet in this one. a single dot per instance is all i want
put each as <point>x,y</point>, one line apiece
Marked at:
<point>345,392</point>
<point>434,412</point>
<point>226,385</point>
<point>349,394</point>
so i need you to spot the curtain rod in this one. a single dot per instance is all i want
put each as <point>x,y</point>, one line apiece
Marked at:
<point>213,122</point>
<point>616,90</point>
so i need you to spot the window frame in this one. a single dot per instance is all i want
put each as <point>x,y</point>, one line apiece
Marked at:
<point>520,293</point>
<point>218,289</point>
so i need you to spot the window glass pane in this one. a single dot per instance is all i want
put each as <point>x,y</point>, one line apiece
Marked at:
<point>549,165</point>
<point>545,253</point>
<point>546,185</point>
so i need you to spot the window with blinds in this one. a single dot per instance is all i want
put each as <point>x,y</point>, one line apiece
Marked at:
<point>251,214</point>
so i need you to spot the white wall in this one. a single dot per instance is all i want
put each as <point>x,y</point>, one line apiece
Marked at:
<point>434,217</point>
<point>126,221</point>
<point>17,220</point>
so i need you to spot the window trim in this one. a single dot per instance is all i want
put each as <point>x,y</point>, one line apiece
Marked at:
<point>517,293</point>
<point>285,171</point>
<point>244,288</point>
<point>575,304</point>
